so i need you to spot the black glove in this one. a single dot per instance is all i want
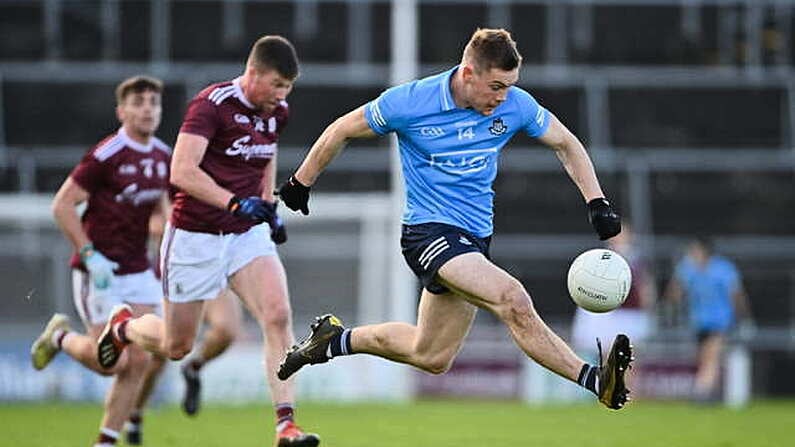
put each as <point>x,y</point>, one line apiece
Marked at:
<point>604,220</point>
<point>295,195</point>
<point>252,208</point>
<point>278,230</point>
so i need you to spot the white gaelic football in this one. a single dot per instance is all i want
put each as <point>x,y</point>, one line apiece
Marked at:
<point>599,280</point>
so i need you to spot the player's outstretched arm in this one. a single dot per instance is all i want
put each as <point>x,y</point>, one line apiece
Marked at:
<point>295,191</point>
<point>578,165</point>
<point>574,158</point>
<point>330,143</point>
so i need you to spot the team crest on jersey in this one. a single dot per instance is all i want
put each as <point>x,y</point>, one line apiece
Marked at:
<point>128,169</point>
<point>259,125</point>
<point>242,119</point>
<point>498,127</point>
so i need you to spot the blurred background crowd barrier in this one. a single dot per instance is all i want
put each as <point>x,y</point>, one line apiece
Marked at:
<point>687,108</point>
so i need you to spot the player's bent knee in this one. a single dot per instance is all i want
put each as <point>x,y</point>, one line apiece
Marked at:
<point>177,354</point>
<point>227,335</point>
<point>439,368</point>
<point>511,294</point>
<point>277,317</point>
<point>515,304</point>
<point>178,349</point>
<point>438,365</point>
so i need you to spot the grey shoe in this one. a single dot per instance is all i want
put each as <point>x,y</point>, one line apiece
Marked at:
<point>43,349</point>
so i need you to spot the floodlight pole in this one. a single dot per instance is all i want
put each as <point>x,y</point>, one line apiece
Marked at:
<point>403,68</point>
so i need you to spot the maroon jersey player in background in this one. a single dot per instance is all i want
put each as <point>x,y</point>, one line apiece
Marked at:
<point>224,224</point>
<point>123,179</point>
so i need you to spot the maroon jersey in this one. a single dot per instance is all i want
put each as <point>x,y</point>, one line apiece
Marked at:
<point>639,273</point>
<point>125,180</point>
<point>241,142</point>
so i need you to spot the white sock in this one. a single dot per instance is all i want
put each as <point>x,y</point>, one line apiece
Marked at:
<point>56,335</point>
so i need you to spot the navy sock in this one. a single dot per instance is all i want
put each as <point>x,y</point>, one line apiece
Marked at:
<point>340,344</point>
<point>589,378</point>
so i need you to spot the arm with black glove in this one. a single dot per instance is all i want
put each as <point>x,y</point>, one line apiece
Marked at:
<point>295,191</point>
<point>577,163</point>
<point>295,195</point>
<point>604,219</point>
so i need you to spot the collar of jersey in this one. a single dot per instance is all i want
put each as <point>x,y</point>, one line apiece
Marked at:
<point>134,144</point>
<point>445,95</point>
<point>240,95</point>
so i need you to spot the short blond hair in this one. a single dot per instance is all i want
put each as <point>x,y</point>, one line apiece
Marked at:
<point>492,48</point>
<point>137,84</point>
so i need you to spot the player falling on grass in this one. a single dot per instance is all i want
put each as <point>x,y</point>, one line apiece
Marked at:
<point>224,224</point>
<point>123,179</point>
<point>451,128</point>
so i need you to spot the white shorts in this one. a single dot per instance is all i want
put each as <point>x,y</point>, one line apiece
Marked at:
<point>94,305</point>
<point>196,266</point>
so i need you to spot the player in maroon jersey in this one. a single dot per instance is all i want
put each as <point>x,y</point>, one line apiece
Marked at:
<point>123,180</point>
<point>224,224</point>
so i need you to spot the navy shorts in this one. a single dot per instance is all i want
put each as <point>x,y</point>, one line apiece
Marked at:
<point>428,246</point>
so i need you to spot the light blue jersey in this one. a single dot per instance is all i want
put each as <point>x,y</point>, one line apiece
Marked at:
<point>449,155</point>
<point>709,291</point>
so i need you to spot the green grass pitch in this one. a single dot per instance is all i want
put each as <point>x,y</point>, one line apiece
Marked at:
<point>426,423</point>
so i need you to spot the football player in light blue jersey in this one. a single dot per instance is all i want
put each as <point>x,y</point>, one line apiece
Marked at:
<point>715,296</point>
<point>451,128</point>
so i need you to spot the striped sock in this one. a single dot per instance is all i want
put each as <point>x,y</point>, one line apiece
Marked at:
<point>57,337</point>
<point>589,378</point>
<point>340,345</point>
